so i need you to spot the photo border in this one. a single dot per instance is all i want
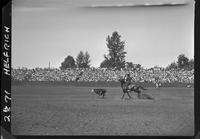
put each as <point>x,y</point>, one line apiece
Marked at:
<point>6,80</point>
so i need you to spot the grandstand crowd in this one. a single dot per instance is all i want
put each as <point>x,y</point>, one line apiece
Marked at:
<point>100,74</point>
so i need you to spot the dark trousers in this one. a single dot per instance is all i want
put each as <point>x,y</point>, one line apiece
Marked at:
<point>128,84</point>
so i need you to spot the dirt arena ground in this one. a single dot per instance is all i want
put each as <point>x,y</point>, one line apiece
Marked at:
<point>59,110</point>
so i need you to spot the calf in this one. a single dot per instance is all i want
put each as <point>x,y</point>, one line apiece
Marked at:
<point>100,92</point>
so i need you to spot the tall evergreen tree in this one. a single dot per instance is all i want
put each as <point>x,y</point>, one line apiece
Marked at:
<point>80,59</point>
<point>83,60</point>
<point>116,53</point>
<point>86,59</point>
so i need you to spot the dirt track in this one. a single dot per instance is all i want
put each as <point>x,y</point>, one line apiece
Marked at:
<point>45,110</point>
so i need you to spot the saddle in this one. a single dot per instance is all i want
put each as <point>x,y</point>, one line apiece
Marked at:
<point>129,87</point>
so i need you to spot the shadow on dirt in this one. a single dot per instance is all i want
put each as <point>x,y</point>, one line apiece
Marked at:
<point>146,96</point>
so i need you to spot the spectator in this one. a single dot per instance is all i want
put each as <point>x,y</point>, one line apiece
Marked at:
<point>100,74</point>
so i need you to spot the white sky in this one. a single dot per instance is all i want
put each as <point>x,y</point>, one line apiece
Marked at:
<point>46,31</point>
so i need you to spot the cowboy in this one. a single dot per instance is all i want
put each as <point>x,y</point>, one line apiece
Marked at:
<point>128,80</point>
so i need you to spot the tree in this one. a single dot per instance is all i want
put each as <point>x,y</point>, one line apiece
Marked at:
<point>173,65</point>
<point>116,55</point>
<point>69,62</point>
<point>83,60</point>
<point>86,59</point>
<point>138,66</point>
<point>79,59</point>
<point>130,65</point>
<point>183,61</point>
<point>191,64</point>
<point>107,63</point>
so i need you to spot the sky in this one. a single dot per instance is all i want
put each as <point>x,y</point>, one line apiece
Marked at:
<point>155,31</point>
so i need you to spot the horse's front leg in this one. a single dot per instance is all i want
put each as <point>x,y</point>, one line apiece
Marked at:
<point>128,95</point>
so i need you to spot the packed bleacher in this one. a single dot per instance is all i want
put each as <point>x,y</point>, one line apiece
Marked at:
<point>100,74</point>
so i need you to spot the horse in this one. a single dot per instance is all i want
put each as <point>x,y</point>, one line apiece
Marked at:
<point>135,88</point>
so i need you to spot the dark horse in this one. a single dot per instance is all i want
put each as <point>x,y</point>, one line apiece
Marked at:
<point>135,88</point>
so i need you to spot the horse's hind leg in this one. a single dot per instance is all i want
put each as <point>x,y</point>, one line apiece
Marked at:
<point>123,96</point>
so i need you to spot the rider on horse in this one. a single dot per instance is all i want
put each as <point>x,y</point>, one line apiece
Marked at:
<point>128,79</point>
